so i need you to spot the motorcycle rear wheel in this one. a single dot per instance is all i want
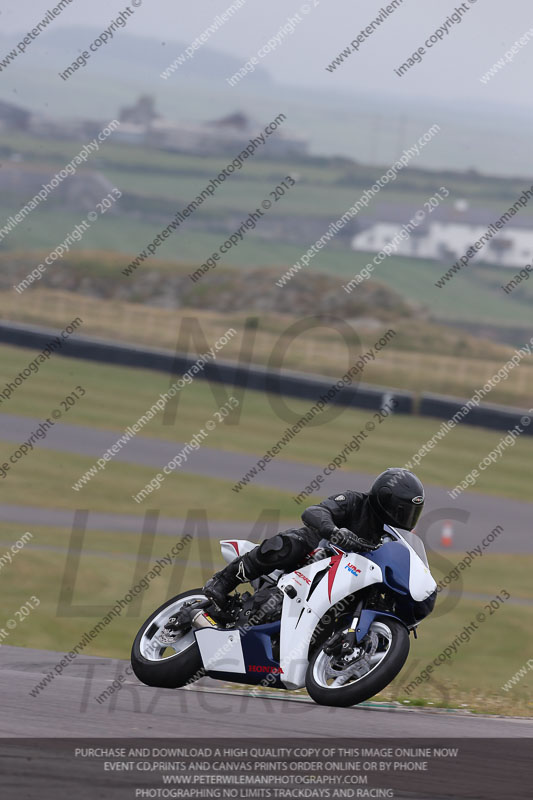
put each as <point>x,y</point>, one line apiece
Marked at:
<point>153,662</point>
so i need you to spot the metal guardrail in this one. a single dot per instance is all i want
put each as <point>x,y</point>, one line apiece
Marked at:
<point>486,415</point>
<point>290,384</point>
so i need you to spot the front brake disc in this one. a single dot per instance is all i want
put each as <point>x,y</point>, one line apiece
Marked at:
<point>359,665</point>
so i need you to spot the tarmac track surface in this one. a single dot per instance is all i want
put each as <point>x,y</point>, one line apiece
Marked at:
<point>473,515</point>
<point>67,707</point>
<point>39,735</point>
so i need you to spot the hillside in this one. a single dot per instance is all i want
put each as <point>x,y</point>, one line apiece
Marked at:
<point>156,184</point>
<point>161,307</point>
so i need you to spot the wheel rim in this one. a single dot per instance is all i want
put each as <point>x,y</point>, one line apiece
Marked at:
<point>150,645</point>
<point>359,664</point>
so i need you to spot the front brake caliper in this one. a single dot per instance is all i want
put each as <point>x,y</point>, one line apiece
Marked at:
<point>333,645</point>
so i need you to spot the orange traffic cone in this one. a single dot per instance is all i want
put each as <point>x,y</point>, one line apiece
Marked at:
<point>446,537</point>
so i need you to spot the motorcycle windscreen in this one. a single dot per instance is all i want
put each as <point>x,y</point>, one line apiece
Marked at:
<point>417,544</point>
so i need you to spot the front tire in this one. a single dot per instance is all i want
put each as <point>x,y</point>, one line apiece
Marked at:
<point>331,684</point>
<point>151,660</point>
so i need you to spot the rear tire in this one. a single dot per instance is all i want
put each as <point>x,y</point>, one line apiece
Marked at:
<point>370,684</point>
<point>173,671</point>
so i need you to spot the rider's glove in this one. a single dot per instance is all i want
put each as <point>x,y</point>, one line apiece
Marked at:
<point>348,540</point>
<point>345,538</point>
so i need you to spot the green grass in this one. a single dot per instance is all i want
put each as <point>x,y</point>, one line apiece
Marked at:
<point>474,295</point>
<point>44,479</point>
<point>484,577</point>
<point>246,189</point>
<point>466,297</point>
<point>326,189</point>
<point>139,162</point>
<point>116,397</point>
<point>499,643</point>
<point>474,677</point>
<point>106,571</point>
<point>421,356</point>
<point>49,227</point>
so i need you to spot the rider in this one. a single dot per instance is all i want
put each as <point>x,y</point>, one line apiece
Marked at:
<point>395,498</point>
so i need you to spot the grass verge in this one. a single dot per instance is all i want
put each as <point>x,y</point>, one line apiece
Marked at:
<point>472,679</point>
<point>117,396</point>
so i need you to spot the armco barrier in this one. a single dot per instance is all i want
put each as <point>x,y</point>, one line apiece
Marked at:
<point>290,384</point>
<point>498,418</point>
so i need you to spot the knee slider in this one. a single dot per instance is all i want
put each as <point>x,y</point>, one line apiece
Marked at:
<point>272,550</point>
<point>282,551</point>
<point>299,548</point>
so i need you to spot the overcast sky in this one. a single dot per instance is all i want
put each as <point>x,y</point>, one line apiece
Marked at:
<point>449,72</point>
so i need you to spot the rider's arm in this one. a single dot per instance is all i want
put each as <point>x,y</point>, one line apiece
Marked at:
<point>330,514</point>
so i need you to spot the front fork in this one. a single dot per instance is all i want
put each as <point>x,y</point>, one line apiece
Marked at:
<point>343,643</point>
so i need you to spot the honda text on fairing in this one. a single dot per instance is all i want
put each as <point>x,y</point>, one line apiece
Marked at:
<point>338,625</point>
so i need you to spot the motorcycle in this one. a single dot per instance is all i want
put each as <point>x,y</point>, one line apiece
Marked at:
<point>339,625</point>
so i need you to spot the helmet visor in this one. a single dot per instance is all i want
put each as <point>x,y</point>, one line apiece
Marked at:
<point>407,514</point>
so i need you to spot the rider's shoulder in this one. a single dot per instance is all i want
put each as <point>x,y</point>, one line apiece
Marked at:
<point>347,498</point>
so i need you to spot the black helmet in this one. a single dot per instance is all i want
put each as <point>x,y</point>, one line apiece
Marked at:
<point>397,498</point>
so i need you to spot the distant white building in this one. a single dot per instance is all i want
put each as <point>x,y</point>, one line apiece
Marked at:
<point>448,241</point>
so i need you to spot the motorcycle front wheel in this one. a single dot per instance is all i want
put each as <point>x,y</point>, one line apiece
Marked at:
<point>167,666</point>
<point>345,680</point>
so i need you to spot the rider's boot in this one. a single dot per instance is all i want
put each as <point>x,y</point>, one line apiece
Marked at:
<point>285,550</point>
<point>222,583</point>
